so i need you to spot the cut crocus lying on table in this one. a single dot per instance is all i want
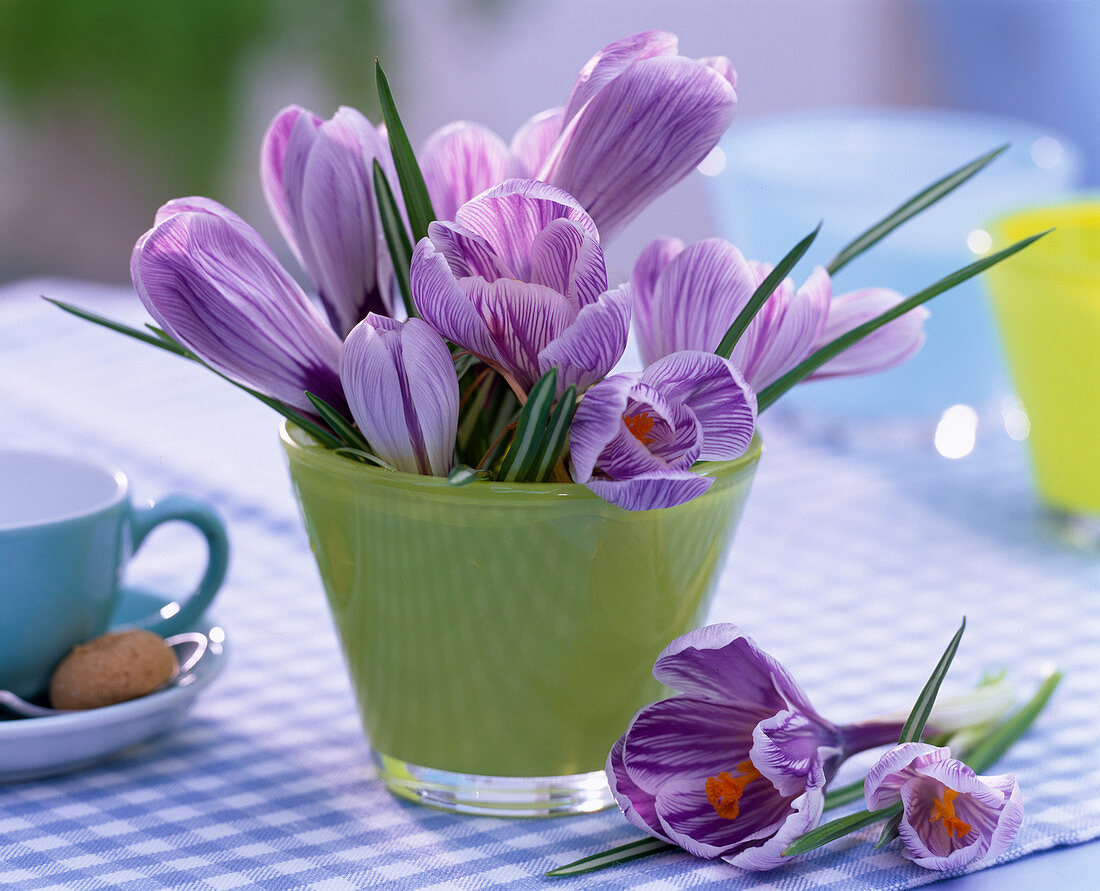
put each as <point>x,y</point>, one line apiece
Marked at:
<point>950,814</point>
<point>508,269</point>
<point>736,765</point>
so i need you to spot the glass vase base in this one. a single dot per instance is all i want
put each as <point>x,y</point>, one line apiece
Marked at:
<point>463,793</point>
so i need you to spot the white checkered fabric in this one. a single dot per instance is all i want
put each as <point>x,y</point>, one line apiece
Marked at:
<point>852,566</point>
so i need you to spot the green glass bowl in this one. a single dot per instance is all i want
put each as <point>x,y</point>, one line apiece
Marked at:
<point>500,636</point>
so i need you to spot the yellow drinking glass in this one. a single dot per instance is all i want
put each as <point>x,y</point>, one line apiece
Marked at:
<point>1047,304</point>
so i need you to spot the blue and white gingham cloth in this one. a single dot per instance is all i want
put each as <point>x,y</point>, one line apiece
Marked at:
<point>852,568</point>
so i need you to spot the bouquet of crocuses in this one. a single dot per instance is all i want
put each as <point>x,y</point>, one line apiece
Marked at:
<point>469,329</point>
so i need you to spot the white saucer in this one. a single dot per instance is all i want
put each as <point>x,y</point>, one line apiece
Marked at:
<point>39,747</point>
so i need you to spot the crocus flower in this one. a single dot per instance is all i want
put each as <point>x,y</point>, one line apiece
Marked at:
<point>403,393</point>
<point>687,297</point>
<point>519,280</point>
<point>318,180</point>
<point>211,282</point>
<point>635,436</point>
<point>639,118</point>
<point>951,816</point>
<point>735,766</point>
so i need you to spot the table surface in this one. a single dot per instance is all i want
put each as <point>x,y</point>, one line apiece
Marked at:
<point>853,564</point>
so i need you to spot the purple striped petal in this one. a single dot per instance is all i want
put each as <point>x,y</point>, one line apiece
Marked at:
<point>641,133</point>
<point>791,749</point>
<point>647,270</point>
<point>612,61</point>
<point>587,351</point>
<point>651,491</point>
<point>460,161</point>
<point>273,162</point>
<point>220,291</point>
<point>685,737</point>
<point>882,785</point>
<point>928,782</point>
<point>510,216</point>
<point>521,320</point>
<point>694,300</point>
<point>533,141</point>
<point>339,230</point>
<point>318,178</point>
<point>720,662</point>
<point>637,805</point>
<point>690,820</point>
<point>442,303</point>
<point>714,390</point>
<point>596,422</point>
<point>785,331</point>
<point>403,393</point>
<point>885,347</point>
<point>803,814</point>
<point>468,254</point>
<point>566,258</point>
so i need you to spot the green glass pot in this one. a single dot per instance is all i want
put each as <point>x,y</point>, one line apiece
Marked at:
<point>500,636</point>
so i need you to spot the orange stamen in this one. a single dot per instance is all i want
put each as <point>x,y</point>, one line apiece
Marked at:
<point>945,811</point>
<point>724,791</point>
<point>640,425</point>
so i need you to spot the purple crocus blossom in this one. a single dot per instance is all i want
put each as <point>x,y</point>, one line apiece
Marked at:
<point>951,816</point>
<point>403,393</point>
<point>687,297</point>
<point>639,118</point>
<point>735,766</point>
<point>212,283</point>
<point>635,436</point>
<point>518,279</point>
<point>318,179</point>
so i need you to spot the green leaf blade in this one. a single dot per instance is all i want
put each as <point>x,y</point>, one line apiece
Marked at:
<point>910,208</point>
<point>760,296</point>
<point>622,854</point>
<point>914,725</point>
<point>339,424</point>
<point>418,205</point>
<point>397,238</point>
<point>990,750</point>
<point>530,429</point>
<point>773,391</point>
<point>838,828</point>
<point>557,436</point>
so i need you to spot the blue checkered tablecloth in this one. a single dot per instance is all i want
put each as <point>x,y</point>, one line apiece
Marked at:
<point>852,566</point>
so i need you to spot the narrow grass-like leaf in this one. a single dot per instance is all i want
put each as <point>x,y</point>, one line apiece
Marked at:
<point>838,828</point>
<point>844,795</point>
<point>773,391</point>
<point>762,293</point>
<point>418,205</point>
<point>557,435</point>
<point>162,340</point>
<point>919,202</point>
<point>530,429</point>
<point>339,424</point>
<point>622,854</point>
<point>397,237</point>
<point>914,725</point>
<point>986,753</point>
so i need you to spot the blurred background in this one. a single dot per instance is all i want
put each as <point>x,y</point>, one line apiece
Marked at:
<point>107,109</point>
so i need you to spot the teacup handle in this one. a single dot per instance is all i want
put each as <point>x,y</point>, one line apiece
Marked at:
<point>143,519</point>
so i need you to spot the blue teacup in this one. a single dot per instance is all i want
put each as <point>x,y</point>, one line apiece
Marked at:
<point>67,530</point>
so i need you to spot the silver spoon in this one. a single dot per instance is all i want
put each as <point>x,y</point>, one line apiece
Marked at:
<point>189,646</point>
